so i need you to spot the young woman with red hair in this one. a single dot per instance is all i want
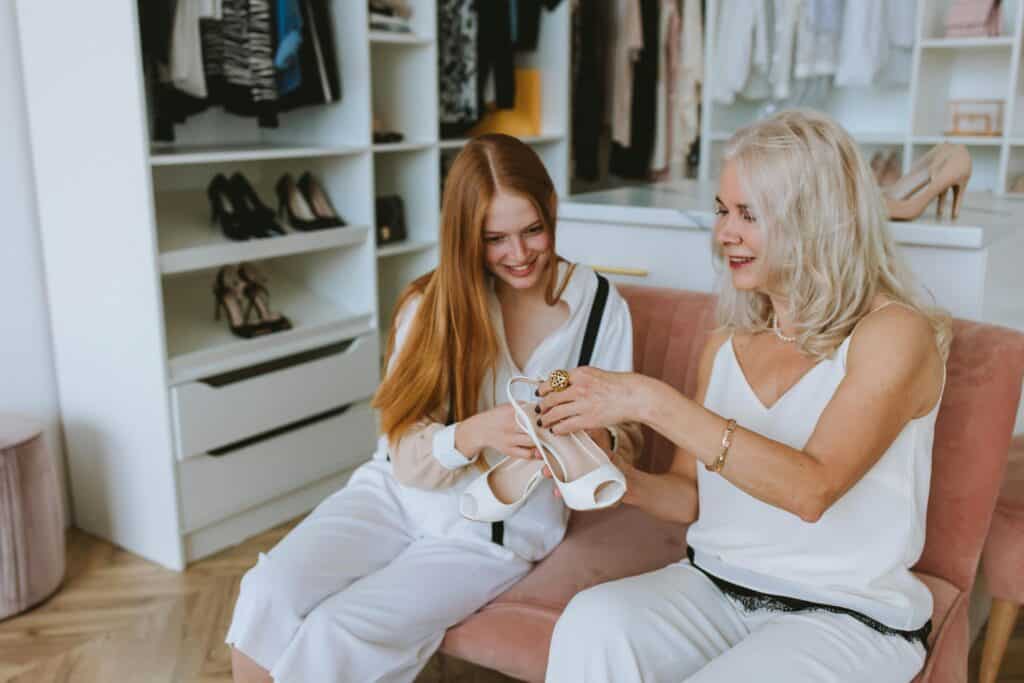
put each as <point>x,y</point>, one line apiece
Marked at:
<point>365,587</point>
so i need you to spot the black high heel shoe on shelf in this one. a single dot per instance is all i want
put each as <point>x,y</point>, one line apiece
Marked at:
<point>261,217</point>
<point>225,211</point>
<point>292,205</point>
<point>320,202</point>
<point>258,298</point>
<point>229,294</point>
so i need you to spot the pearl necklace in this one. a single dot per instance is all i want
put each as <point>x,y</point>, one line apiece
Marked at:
<point>778,332</point>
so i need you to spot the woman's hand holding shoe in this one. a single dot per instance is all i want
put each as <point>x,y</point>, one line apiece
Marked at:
<point>495,428</point>
<point>594,399</point>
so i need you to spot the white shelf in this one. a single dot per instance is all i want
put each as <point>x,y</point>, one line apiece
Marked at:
<point>188,242</point>
<point>967,43</point>
<point>404,248</point>
<point>543,138</point>
<point>209,154</point>
<point>199,346</point>
<point>863,137</point>
<point>978,141</point>
<point>404,146</point>
<point>394,38</point>
<point>878,137</point>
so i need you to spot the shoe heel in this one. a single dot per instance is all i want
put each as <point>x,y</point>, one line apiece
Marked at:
<point>941,203</point>
<point>958,196</point>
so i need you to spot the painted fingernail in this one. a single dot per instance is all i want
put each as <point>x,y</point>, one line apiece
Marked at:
<point>536,392</point>
<point>538,423</point>
<point>536,409</point>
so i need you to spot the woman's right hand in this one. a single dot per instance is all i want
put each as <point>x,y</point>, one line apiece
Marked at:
<point>495,428</point>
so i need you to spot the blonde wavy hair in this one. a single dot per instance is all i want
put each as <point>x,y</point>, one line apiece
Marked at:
<point>826,236</point>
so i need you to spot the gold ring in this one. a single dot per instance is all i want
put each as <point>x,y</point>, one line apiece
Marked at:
<point>558,380</point>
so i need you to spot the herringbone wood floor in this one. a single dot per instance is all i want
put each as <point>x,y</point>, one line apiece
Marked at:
<point>121,619</point>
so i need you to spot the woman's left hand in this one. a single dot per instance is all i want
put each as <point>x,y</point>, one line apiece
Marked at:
<point>595,398</point>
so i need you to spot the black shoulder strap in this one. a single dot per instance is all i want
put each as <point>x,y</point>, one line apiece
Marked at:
<point>594,322</point>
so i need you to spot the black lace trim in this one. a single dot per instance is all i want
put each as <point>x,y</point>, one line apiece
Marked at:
<point>754,600</point>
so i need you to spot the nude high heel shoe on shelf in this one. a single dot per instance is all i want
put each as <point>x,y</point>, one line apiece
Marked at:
<point>945,167</point>
<point>584,475</point>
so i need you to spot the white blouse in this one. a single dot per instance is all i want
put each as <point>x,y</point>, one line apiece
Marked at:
<point>540,524</point>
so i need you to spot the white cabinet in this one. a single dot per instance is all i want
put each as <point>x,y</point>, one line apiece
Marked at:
<point>181,437</point>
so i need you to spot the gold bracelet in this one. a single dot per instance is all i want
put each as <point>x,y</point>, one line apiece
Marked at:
<point>719,462</point>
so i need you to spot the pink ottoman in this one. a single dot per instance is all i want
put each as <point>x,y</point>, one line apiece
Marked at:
<point>1003,563</point>
<point>31,519</point>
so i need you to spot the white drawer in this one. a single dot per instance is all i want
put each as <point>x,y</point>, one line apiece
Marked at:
<point>656,256</point>
<point>216,487</point>
<point>219,411</point>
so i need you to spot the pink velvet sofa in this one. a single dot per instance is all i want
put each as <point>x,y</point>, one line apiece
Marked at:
<point>512,633</point>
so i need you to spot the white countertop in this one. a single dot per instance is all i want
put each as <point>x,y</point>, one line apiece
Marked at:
<point>688,205</point>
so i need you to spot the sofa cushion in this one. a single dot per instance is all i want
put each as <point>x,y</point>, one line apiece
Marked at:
<point>1003,558</point>
<point>510,632</point>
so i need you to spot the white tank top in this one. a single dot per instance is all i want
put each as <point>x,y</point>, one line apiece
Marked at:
<point>859,553</point>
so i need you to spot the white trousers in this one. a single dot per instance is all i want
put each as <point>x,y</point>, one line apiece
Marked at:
<point>351,594</point>
<point>675,625</point>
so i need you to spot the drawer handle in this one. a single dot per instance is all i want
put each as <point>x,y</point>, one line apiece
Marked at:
<point>284,363</point>
<point>616,270</point>
<point>251,440</point>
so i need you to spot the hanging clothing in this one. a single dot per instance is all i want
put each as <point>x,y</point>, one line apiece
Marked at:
<point>690,74</point>
<point>817,41</point>
<point>901,18</point>
<point>318,59</point>
<point>786,22</point>
<point>634,161</point>
<point>289,39</point>
<point>495,53</point>
<point>864,46</point>
<point>588,86</point>
<point>169,105</point>
<point>626,41</point>
<point>458,96</point>
<point>741,41</point>
<point>186,56</point>
<point>665,99</point>
<point>526,22</point>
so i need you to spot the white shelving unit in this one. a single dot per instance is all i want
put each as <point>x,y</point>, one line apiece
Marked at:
<point>181,437</point>
<point>911,117</point>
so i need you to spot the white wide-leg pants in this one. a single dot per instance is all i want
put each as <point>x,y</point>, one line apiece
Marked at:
<point>675,625</point>
<point>352,594</point>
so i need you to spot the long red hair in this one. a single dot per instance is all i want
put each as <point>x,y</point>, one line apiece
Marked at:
<point>452,345</point>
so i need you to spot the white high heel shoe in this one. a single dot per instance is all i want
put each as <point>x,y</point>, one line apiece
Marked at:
<point>498,493</point>
<point>584,475</point>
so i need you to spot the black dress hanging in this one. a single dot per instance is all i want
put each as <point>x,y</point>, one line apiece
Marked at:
<point>318,59</point>
<point>635,161</point>
<point>459,104</point>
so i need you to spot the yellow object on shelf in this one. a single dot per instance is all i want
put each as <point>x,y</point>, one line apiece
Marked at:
<point>521,121</point>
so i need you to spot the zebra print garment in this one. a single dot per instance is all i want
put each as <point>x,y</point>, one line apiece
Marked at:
<point>248,58</point>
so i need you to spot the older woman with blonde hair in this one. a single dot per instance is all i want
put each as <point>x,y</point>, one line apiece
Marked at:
<point>804,462</point>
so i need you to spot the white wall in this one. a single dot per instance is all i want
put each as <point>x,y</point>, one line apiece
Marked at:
<point>27,382</point>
